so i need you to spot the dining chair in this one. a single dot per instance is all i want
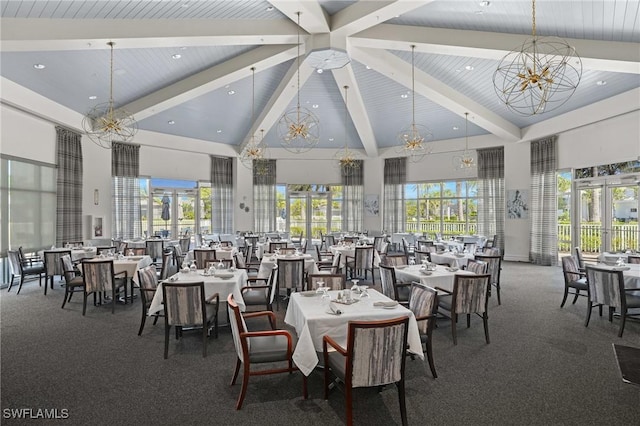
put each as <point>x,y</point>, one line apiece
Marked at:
<point>201,256</point>
<point>178,255</point>
<point>606,288</point>
<point>197,240</point>
<point>395,260</point>
<point>52,266</point>
<point>73,281</point>
<point>155,248</point>
<point>362,261</point>
<point>29,259</point>
<point>274,245</point>
<point>166,267</point>
<point>423,302</point>
<point>391,287</point>
<point>290,276</point>
<point>470,295</point>
<point>99,278</point>
<point>573,279</point>
<point>407,248</point>
<point>186,306</point>
<point>287,250</point>
<point>252,269</point>
<point>324,259</point>
<point>333,281</point>
<point>494,266</point>
<point>148,281</point>
<point>633,259</point>
<point>297,240</point>
<point>374,356</point>
<point>259,347</point>
<point>329,240</point>
<point>23,269</point>
<point>219,263</point>
<point>476,266</point>
<point>106,250</point>
<point>422,256</point>
<point>184,244</point>
<point>261,290</point>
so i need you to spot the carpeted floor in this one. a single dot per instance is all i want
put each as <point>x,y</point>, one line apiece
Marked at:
<point>542,367</point>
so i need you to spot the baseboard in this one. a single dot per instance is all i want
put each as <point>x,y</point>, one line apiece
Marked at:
<point>511,258</point>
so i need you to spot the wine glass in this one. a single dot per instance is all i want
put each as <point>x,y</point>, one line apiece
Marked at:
<point>354,287</point>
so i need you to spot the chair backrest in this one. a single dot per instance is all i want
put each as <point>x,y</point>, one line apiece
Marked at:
<point>635,259</point>
<point>387,278</point>
<point>98,275</point>
<point>148,280</point>
<point>333,281</point>
<point>364,257</point>
<point>155,248</point>
<point>184,243</point>
<point>240,261</point>
<point>408,249</point>
<point>396,260</point>
<point>493,266</point>
<point>422,255</point>
<point>377,243</point>
<point>287,250</point>
<point>351,239</point>
<point>470,293</point>
<point>238,326</point>
<point>470,247</point>
<point>477,266</point>
<point>226,263</point>
<point>606,287</point>
<point>68,271</point>
<point>202,256</point>
<point>273,246</point>
<point>330,240</point>
<point>291,273</point>
<point>106,249</point>
<point>52,265</point>
<point>184,303</point>
<point>376,352</point>
<point>570,269</point>
<point>225,243</point>
<point>14,262</point>
<point>423,302</point>
<point>166,265</point>
<point>121,247</point>
<point>492,251</point>
<point>579,258</point>
<point>197,240</point>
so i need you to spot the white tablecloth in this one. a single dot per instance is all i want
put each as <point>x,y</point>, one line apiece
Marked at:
<point>438,278</point>
<point>76,254</point>
<point>268,262</point>
<point>452,259</point>
<point>612,257</point>
<point>262,248</point>
<point>397,238</point>
<point>221,253</point>
<point>212,285</point>
<point>350,251</point>
<point>631,276</point>
<point>143,243</point>
<point>309,317</point>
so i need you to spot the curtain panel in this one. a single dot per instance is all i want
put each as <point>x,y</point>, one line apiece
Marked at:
<point>69,186</point>
<point>264,195</point>
<point>353,197</point>
<point>395,177</point>
<point>491,194</point>
<point>544,202</point>
<point>221,195</point>
<point>126,211</point>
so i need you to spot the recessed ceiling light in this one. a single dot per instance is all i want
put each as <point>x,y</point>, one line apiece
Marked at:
<point>176,56</point>
<point>219,131</point>
<point>171,122</point>
<point>93,97</point>
<point>601,82</point>
<point>469,68</point>
<point>319,70</point>
<point>39,66</point>
<point>367,67</point>
<point>231,92</point>
<point>458,70</point>
<point>330,139</point>
<point>315,106</point>
<point>269,8</point>
<point>485,3</point>
<point>456,128</point>
<point>404,96</point>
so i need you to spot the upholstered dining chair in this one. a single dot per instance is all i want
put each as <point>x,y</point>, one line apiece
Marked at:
<point>202,256</point>
<point>23,269</point>
<point>494,266</point>
<point>275,245</point>
<point>606,288</point>
<point>325,259</point>
<point>329,240</point>
<point>395,260</point>
<point>148,280</point>
<point>333,281</point>
<point>362,261</point>
<point>73,281</point>
<point>290,276</point>
<point>251,268</point>
<point>186,306</point>
<point>423,302</point>
<point>470,295</point>
<point>633,259</point>
<point>260,291</point>
<point>287,250</point>
<point>184,244</point>
<point>476,266</point>
<point>155,248</point>
<point>99,278</point>
<point>52,266</point>
<point>259,347</point>
<point>573,279</point>
<point>374,357</point>
<point>422,256</point>
<point>391,287</point>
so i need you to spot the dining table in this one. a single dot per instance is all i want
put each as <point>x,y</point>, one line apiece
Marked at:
<point>268,262</point>
<point>77,253</point>
<point>349,250</point>
<point>630,272</point>
<point>309,313</point>
<point>224,283</point>
<point>442,276</point>
<point>221,253</point>
<point>130,264</point>
<point>143,243</point>
<point>612,257</point>
<point>457,260</point>
<point>263,247</point>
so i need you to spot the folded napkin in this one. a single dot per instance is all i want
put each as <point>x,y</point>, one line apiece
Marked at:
<point>451,269</point>
<point>223,274</point>
<point>386,304</point>
<point>333,309</point>
<point>620,268</point>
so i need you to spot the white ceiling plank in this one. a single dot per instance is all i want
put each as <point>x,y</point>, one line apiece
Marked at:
<point>209,80</point>
<point>57,34</point>
<point>366,14</point>
<point>595,54</point>
<point>345,77</point>
<point>313,18</point>
<point>398,70</point>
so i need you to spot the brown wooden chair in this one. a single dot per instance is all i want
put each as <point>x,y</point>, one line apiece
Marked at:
<point>423,302</point>
<point>100,278</point>
<point>324,259</point>
<point>395,260</point>
<point>606,288</point>
<point>573,279</point>
<point>333,281</point>
<point>374,357</point>
<point>422,256</point>
<point>258,347</point>
<point>470,295</point>
<point>261,291</point>
<point>155,248</point>
<point>476,266</point>
<point>251,268</point>
<point>148,280</point>
<point>391,287</point>
<point>287,250</point>
<point>72,279</point>
<point>186,306</point>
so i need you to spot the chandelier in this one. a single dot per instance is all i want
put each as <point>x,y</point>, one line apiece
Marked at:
<point>261,166</point>
<point>465,161</point>
<point>104,125</point>
<point>298,128</point>
<point>413,138</point>
<point>539,77</point>
<point>253,150</point>
<point>346,159</point>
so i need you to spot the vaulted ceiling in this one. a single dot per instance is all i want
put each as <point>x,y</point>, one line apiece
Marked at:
<point>183,67</point>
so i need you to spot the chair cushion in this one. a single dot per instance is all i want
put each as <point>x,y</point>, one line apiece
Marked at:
<point>633,301</point>
<point>268,349</point>
<point>211,311</point>
<point>403,293</point>
<point>255,297</point>
<point>444,301</point>
<point>338,364</point>
<point>33,269</point>
<point>580,284</point>
<point>75,282</point>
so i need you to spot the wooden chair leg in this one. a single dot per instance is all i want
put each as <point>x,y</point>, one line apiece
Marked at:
<point>349,405</point>
<point>245,384</point>
<point>402,400</point>
<point>623,318</point>
<point>166,340</point>
<point>235,373</point>
<point>84,303</point>
<point>564,298</point>
<point>143,320</point>
<point>21,281</point>
<point>589,308</point>
<point>204,338</point>
<point>485,320</point>
<point>575,298</point>
<point>430,359</point>
<point>454,319</point>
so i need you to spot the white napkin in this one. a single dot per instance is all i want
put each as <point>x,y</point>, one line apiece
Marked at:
<point>333,309</point>
<point>386,304</point>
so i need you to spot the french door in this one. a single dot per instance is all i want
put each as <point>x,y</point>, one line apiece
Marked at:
<point>309,212</point>
<point>173,211</point>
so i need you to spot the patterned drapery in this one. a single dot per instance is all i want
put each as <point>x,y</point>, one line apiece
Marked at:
<point>264,195</point>
<point>221,195</point>
<point>543,203</point>
<point>395,177</point>
<point>69,186</point>
<point>126,219</point>
<point>353,197</point>
<point>491,194</point>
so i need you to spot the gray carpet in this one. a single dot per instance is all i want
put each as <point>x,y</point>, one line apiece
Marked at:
<point>542,367</point>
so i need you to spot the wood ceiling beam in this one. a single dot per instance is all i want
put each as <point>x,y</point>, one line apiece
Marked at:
<point>313,18</point>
